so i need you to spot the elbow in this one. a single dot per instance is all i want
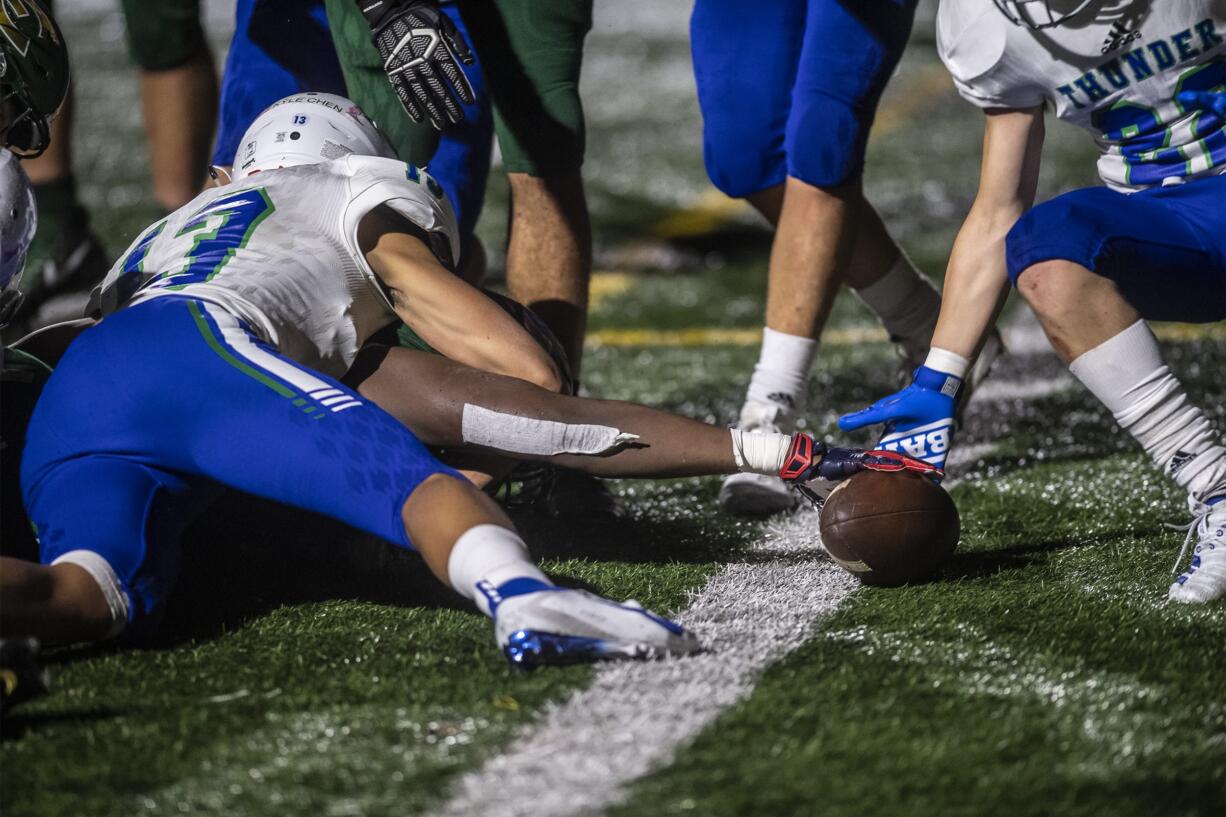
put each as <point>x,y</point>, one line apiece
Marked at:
<point>542,372</point>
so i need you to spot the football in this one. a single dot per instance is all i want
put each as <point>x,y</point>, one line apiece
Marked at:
<point>889,529</point>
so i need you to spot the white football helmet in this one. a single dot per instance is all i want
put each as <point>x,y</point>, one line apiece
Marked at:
<point>306,129</point>
<point>18,221</point>
<point>1041,13</point>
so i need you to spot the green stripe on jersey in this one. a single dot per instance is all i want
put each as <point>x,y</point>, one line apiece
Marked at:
<point>215,343</point>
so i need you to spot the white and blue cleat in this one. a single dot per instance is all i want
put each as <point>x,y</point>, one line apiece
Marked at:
<point>1204,580</point>
<point>555,625</point>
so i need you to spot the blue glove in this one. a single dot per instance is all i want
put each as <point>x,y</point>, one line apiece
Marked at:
<point>1214,102</point>
<point>919,420</point>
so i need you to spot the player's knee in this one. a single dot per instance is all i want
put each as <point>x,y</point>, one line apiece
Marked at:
<point>739,162</point>
<point>1047,285</point>
<point>826,138</point>
<point>1070,227</point>
<point>435,502</point>
<point>802,194</point>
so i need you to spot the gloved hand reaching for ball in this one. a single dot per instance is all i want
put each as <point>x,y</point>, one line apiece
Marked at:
<point>810,460</point>
<point>919,420</point>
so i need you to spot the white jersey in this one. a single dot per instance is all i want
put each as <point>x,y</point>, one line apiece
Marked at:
<point>279,250</point>
<point>1115,74</point>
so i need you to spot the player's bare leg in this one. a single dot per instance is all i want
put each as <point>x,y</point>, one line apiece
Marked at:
<point>813,243</point>
<point>1113,352</point>
<point>873,249</point>
<point>180,107</point>
<point>1078,309</point>
<point>549,266</point>
<point>469,543</point>
<point>549,255</point>
<point>880,274</point>
<point>440,511</point>
<point>826,237</point>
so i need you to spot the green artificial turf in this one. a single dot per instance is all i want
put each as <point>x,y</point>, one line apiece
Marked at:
<point>305,670</point>
<point>1042,674</point>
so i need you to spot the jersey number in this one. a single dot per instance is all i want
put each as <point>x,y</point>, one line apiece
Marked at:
<point>233,220</point>
<point>1146,138</point>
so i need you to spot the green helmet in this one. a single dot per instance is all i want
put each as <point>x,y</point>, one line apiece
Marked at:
<point>33,75</point>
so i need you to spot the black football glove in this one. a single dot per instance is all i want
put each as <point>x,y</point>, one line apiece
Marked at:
<point>421,51</point>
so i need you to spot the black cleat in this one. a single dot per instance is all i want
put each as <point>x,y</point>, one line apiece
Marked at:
<point>557,493</point>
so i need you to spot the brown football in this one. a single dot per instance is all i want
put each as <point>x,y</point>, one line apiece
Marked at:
<point>889,528</point>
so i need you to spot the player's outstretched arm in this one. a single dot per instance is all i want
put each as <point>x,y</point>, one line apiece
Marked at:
<point>919,420</point>
<point>455,318</point>
<point>976,280</point>
<point>463,408</point>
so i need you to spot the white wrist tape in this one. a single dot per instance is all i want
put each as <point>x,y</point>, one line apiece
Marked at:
<point>947,362</point>
<point>524,435</point>
<point>759,453</point>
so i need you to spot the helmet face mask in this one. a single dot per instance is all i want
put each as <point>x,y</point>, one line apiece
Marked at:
<point>18,221</point>
<point>25,132</point>
<point>34,75</point>
<point>1040,14</point>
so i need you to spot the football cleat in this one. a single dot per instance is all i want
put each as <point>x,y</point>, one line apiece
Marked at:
<point>556,626</point>
<point>758,494</point>
<point>557,493</point>
<point>1205,578</point>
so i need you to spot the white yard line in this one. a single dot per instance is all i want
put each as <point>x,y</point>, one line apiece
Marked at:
<point>578,757</point>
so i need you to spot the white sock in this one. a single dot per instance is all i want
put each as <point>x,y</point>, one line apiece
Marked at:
<point>1128,375</point>
<point>782,370</point>
<point>760,453</point>
<point>484,559</point>
<point>907,303</point>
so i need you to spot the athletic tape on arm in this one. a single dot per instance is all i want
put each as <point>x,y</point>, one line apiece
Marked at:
<point>524,435</point>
